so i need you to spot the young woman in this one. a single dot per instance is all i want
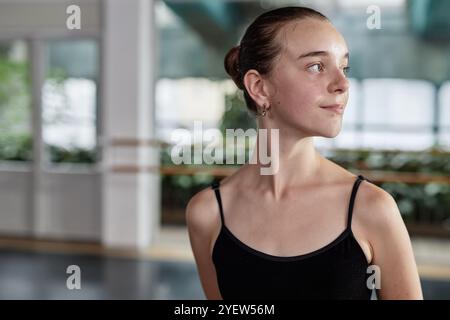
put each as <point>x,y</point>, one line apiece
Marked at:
<point>301,232</point>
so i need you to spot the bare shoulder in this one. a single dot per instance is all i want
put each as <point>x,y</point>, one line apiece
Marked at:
<point>202,213</point>
<point>378,216</point>
<point>202,219</point>
<point>371,199</point>
<point>378,206</point>
<point>376,209</point>
<point>391,245</point>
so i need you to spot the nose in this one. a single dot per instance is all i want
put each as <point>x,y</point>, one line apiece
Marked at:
<point>339,83</point>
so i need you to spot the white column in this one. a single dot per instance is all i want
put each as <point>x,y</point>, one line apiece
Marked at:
<point>131,200</point>
<point>34,221</point>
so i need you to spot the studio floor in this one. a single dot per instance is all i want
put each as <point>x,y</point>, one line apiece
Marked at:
<point>37,269</point>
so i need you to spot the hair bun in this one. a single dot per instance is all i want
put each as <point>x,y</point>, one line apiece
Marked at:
<point>231,64</point>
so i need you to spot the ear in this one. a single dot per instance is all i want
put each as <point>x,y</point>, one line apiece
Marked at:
<point>256,87</point>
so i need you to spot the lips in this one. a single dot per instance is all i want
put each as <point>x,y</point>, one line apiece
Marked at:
<point>337,108</point>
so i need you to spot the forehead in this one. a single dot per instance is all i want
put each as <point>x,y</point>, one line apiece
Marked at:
<point>309,34</point>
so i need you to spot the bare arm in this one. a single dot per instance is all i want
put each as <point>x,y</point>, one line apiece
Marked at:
<point>202,220</point>
<point>392,250</point>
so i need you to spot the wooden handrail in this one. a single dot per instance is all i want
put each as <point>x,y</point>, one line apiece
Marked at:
<point>404,177</point>
<point>134,142</point>
<point>433,151</point>
<point>154,142</point>
<point>224,171</point>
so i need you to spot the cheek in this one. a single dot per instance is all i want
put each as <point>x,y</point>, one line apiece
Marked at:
<point>298,97</point>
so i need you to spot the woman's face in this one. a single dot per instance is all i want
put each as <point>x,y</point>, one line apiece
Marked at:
<point>310,73</point>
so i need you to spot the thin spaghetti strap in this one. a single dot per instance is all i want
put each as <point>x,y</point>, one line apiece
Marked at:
<point>352,200</point>
<point>215,186</point>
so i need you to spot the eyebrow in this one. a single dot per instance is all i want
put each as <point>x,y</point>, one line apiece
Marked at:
<point>319,53</point>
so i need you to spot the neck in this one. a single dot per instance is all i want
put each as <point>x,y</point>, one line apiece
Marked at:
<point>298,162</point>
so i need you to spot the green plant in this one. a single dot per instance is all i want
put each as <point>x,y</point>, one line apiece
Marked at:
<point>16,147</point>
<point>73,155</point>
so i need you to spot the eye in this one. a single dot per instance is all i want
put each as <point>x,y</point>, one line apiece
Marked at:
<point>317,67</point>
<point>346,70</point>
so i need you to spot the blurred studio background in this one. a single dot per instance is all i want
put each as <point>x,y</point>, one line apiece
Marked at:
<point>88,116</point>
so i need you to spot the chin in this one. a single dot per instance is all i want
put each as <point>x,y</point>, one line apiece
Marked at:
<point>330,132</point>
<point>331,136</point>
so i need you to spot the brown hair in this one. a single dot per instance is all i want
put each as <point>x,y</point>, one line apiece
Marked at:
<point>258,47</point>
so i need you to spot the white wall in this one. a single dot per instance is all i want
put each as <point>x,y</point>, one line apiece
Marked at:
<point>69,206</point>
